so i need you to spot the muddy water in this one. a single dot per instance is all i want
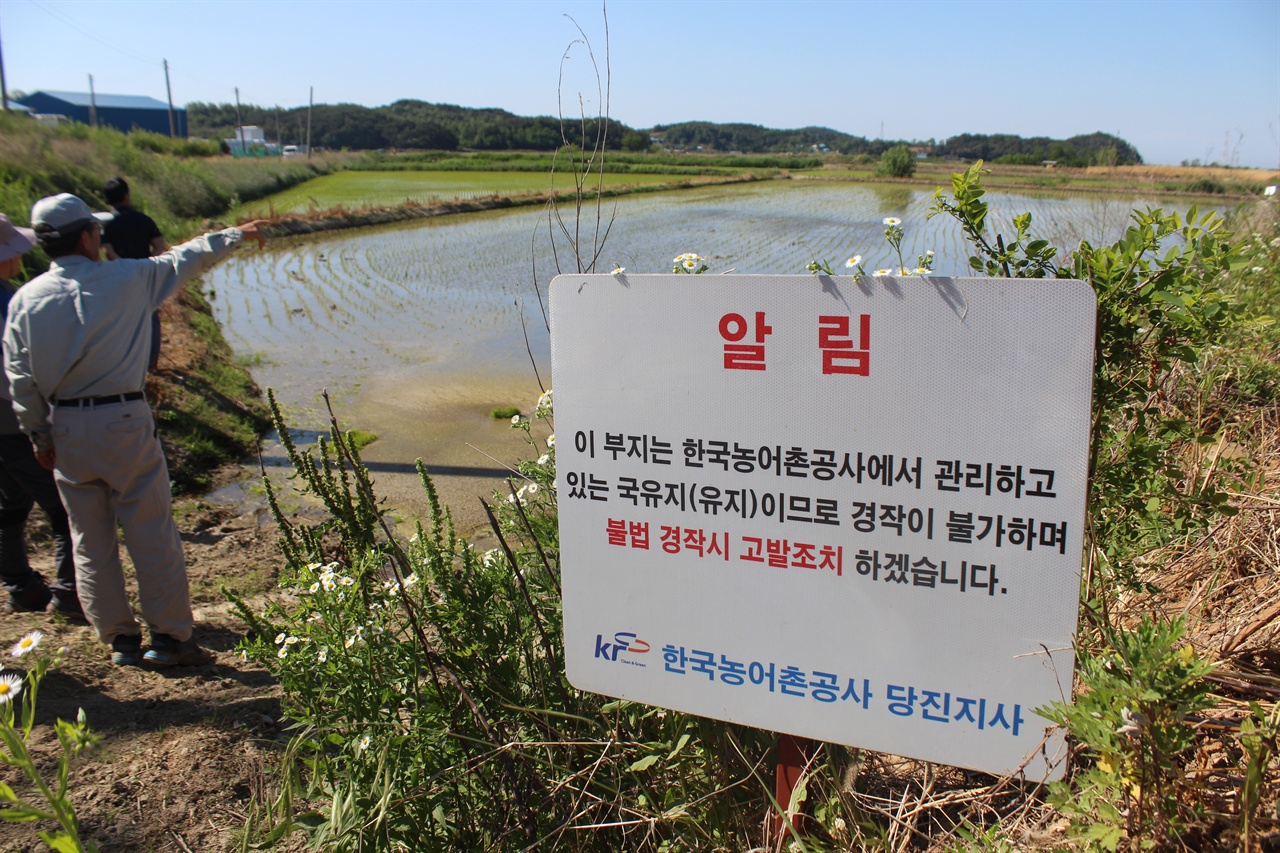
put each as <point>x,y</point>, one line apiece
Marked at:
<point>418,330</point>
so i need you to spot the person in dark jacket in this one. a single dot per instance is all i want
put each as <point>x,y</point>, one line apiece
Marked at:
<point>130,233</point>
<point>24,482</point>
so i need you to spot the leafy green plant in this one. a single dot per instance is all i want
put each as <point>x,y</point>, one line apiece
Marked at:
<point>1258,737</point>
<point>1161,310</point>
<point>15,735</point>
<point>1160,307</point>
<point>425,685</point>
<point>1133,720</point>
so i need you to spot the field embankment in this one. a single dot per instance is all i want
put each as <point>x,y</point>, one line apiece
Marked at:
<point>1143,180</point>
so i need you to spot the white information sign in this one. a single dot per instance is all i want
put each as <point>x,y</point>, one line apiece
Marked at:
<point>845,511</point>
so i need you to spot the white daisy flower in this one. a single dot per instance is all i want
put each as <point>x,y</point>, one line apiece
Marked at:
<point>533,488</point>
<point>10,687</point>
<point>618,270</point>
<point>854,261</point>
<point>280,637</point>
<point>314,588</point>
<point>27,643</point>
<point>284,652</point>
<point>290,641</point>
<point>551,440</point>
<point>364,742</point>
<point>322,655</point>
<point>346,581</point>
<point>544,459</point>
<point>411,580</point>
<point>351,641</point>
<point>690,264</point>
<point>515,419</point>
<point>884,272</point>
<point>892,221</point>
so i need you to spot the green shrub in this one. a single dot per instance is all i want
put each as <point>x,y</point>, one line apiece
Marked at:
<point>897,162</point>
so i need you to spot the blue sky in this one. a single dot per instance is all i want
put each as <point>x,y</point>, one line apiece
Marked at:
<point>1179,79</point>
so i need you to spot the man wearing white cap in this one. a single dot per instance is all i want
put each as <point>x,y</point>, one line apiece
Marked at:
<point>24,483</point>
<point>75,351</point>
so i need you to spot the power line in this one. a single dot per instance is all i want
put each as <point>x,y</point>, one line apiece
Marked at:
<point>67,22</point>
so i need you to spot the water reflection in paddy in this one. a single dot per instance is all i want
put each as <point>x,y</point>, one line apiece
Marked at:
<point>418,329</point>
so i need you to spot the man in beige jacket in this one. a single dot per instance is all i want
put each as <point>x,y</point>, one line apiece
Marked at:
<point>75,352</point>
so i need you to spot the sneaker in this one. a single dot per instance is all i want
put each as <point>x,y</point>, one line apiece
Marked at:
<point>126,649</point>
<point>32,597</point>
<point>67,605</point>
<point>167,651</point>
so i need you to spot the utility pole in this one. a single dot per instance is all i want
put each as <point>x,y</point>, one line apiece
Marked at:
<point>311,101</point>
<point>239,124</point>
<point>173,132</point>
<point>93,105</point>
<point>4,91</point>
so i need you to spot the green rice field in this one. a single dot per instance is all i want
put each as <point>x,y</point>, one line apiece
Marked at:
<point>355,189</point>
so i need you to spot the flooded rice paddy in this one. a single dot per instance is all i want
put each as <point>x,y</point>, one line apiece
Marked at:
<point>418,330</point>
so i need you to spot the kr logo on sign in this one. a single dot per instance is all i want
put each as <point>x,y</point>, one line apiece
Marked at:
<point>622,643</point>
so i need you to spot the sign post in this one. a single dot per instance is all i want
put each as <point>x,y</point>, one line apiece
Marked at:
<point>846,511</point>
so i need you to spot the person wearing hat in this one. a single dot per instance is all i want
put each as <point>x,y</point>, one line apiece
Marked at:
<point>24,482</point>
<point>75,351</point>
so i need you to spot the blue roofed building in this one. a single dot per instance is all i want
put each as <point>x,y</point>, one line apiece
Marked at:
<point>123,112</point>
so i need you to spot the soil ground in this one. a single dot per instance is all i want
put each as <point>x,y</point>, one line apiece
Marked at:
<point>185,752</point>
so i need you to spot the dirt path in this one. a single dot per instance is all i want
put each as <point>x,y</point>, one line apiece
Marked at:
<point>186,754</point>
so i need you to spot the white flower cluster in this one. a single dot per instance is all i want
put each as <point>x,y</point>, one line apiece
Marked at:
<point>393,588</point>
<point>523,493</point>
<point>689,263</point>
<point>287,642</point>
<point>328,578</point>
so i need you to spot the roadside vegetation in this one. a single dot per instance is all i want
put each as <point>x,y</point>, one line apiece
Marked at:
<point>425,679</point>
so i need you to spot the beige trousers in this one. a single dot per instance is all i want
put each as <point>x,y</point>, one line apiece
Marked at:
<point>111,472</point>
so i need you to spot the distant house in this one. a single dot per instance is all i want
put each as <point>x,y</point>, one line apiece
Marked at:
<point>16,107</point>
<point>123,112</point>
<point>251,141</point>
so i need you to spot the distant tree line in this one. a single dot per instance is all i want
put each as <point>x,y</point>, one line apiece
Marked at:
<point>404,124</point>
<point>752,138</point>
<point>1087,150</point>
<point>412,124</point>
<point>1093,149</point>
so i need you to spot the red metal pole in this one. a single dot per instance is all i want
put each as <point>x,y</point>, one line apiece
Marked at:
<point>794,754</point>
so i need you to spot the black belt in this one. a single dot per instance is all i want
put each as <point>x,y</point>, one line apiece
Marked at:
<point>90,402</point>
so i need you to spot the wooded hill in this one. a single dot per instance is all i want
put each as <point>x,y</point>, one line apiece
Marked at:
<point>445,127</point>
